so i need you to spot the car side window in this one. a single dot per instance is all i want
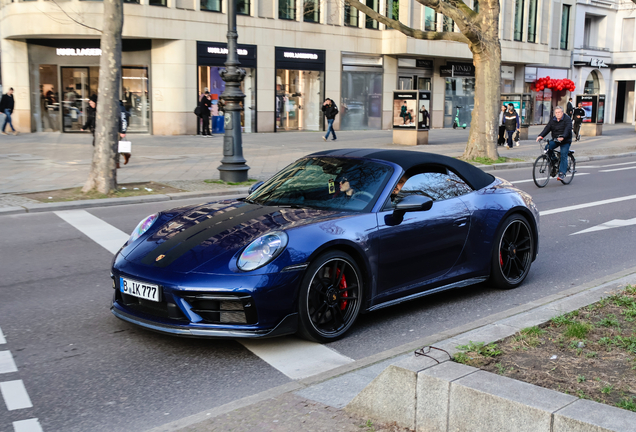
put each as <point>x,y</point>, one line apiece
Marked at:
<point>436,185</point>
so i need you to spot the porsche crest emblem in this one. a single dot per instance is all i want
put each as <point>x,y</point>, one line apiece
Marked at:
<point>160,257</point>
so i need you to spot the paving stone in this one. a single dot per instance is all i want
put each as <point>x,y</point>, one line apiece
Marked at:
<point>588,416</point>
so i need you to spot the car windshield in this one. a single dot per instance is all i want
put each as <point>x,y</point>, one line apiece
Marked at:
<point>325,183</point>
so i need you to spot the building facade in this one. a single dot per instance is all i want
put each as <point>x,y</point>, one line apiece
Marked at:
<point>295,54</point>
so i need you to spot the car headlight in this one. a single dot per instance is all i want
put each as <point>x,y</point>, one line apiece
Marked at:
<point>262,250</point>
<point>143,226</point>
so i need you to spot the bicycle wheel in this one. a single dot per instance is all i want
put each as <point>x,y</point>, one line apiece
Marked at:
<point>571,170</point>
<point>541,171</point>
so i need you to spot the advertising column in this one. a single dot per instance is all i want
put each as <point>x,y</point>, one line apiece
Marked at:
<point>300,87</point>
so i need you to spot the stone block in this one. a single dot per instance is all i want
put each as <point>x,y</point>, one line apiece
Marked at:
<point>485,402</point>
<point>389,398</point>
<point>486,334</point>
<point>433,392</point>
<point>11,210</point>
<point>587,416</point>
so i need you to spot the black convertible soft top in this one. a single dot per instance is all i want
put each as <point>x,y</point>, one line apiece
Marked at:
<point>475,177</point>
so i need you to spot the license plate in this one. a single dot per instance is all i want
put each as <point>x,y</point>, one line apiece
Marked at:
<point>139,289</point>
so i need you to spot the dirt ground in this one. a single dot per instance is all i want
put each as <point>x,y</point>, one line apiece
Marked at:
<point>123,190</point>
<point>589,353</point>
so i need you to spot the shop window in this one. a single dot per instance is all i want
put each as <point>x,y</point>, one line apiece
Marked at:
<point>311,11</point>
<point>430,19</point>
<point>287,9</point>
<point>160,2</point>
<point>459,100</point>
<point>370,23</point>
<point>298,104</point>
<point>350,16</point>
<point>448,25</point>
<point>243,7</point>
<point>518,20</point>
<point>393,9</point>
<point>592,84</point>
<point>134,95</point>
<point>49,99</point>
<point>532,21</point>
<point>361,105</point>
<point>565,26</point>
<point>207,5</point>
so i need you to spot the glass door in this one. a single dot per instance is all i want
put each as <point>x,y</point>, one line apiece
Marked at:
<point>75,95</point>
<point>298,100</point>
<point>135,97</point>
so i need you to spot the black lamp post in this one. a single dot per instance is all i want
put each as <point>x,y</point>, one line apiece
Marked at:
<point>232,168</point>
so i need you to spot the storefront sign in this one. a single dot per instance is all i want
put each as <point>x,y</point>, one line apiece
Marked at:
<point>595,62</point>
<point>457,70</point>
<point>508,72</point>
<point>300,59</point>
<point>225,51</point>
<point>424,64</point>
<point>215,54</point>
<point>297,55</point>
<point>80,52</point>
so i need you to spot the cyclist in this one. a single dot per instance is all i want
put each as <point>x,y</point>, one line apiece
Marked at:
<point>560,126</point>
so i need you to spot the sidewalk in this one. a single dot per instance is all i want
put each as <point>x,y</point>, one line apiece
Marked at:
<point>48,161</point>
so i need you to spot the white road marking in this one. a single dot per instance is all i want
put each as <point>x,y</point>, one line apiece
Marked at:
<point>7,365</point>
<point>586,205</point>
<point>619,164</point>
<point>514,182</point>
<point>15,395</point>
<point>2,339</point>
<point>102,233</point>
<point>293,357</point>
<point>30,425</point>
<point>618,169</point>
<point>616,223</point>
<point>296,358</point>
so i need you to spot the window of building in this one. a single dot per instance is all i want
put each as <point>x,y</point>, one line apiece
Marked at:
<point>165,3</point>
<point>592,84</point>
<point>311,11</point>
<point>448,24</point>
<point>371,23</point>
<point>287,9</point>
<point>627,43</point>
<point>518,20</point>
<point>393,9</point>
<point>350,16</point>
<point>206,5</point>
<point>532,21</point>
<point>430,19</point>
<point>361,106</point>
<point>243,7</point>
<point>131,1</point>
<point>565,26</point>
<point>476,6</point>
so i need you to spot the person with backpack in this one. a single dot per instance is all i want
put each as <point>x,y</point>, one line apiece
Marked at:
<point>511,121</point>
<point>330,110</point>
<point>204,113</point>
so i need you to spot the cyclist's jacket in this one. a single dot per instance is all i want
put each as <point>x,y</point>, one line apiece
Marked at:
<point>578,112</point>
<point>559,128</point>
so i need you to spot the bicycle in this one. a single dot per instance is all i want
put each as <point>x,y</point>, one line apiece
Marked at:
<point>545,167</point>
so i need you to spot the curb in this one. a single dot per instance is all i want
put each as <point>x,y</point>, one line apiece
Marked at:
<point>109,202</point>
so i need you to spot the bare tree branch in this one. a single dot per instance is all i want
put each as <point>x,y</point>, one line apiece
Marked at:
<point>394,24</point>
<point>457,10</point>
<point>74,20</point>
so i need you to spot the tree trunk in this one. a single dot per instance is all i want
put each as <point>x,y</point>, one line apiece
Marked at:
<point>103,175</point>
<point>484,127</point>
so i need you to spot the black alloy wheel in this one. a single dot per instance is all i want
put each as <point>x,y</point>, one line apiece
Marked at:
<point>541,171</point>
<point>571,170</point>
<point>513,252</point>
<point>330,297</point>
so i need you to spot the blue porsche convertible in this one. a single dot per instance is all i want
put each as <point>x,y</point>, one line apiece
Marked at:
<point>335,234</point>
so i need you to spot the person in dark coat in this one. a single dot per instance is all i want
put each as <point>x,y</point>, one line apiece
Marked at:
<point>6,106</point>
<point>512,124</point>
<point>90,116</point>
<point>331,110</point>
<point>501,140</point>
<point>569,109</point>
<point>204,106</point>
<point>560,127</point>
<point>122,126</point>
<point>577,117</point>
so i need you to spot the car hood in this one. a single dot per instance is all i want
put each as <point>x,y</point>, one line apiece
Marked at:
<point>213,233</point>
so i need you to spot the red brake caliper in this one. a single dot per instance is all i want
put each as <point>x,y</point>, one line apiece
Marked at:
<point>500,260</point>
<point>342,286</point>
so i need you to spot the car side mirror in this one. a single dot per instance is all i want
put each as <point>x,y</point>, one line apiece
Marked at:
<point>255,186</point>
<point>412,203</point>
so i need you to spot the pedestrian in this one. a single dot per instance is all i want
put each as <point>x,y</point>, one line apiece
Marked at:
<point>579,115</point>
<point>122,121</point>
<point>570,108</point>
<point>501,140</point>
<point>6,106</point>
<point>90,116</point>
<point>330,110</point>
<point>511,121</point>
<point>204,107</point>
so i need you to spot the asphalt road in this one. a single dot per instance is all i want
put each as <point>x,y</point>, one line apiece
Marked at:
<point>85,370</point>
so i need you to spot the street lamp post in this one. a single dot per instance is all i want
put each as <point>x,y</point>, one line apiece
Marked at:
<point>232,168</point>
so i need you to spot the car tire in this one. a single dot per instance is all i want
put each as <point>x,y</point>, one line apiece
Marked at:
<point>512,253</point>
<point>329,304</point>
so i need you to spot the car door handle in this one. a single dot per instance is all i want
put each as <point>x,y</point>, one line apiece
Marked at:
<point>461,222</point>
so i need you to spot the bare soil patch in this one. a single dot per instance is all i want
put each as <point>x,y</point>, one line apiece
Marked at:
<point>589,353</point>
<point>123,190</point>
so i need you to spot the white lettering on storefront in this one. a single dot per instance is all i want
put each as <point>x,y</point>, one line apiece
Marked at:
<point>218,50</point>
<point>81,52</point>
<point>297,55</point>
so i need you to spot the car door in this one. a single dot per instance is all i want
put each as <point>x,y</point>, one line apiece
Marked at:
<point>425,244</point>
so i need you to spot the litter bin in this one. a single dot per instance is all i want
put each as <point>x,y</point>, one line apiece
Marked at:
<point>218,126</point>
